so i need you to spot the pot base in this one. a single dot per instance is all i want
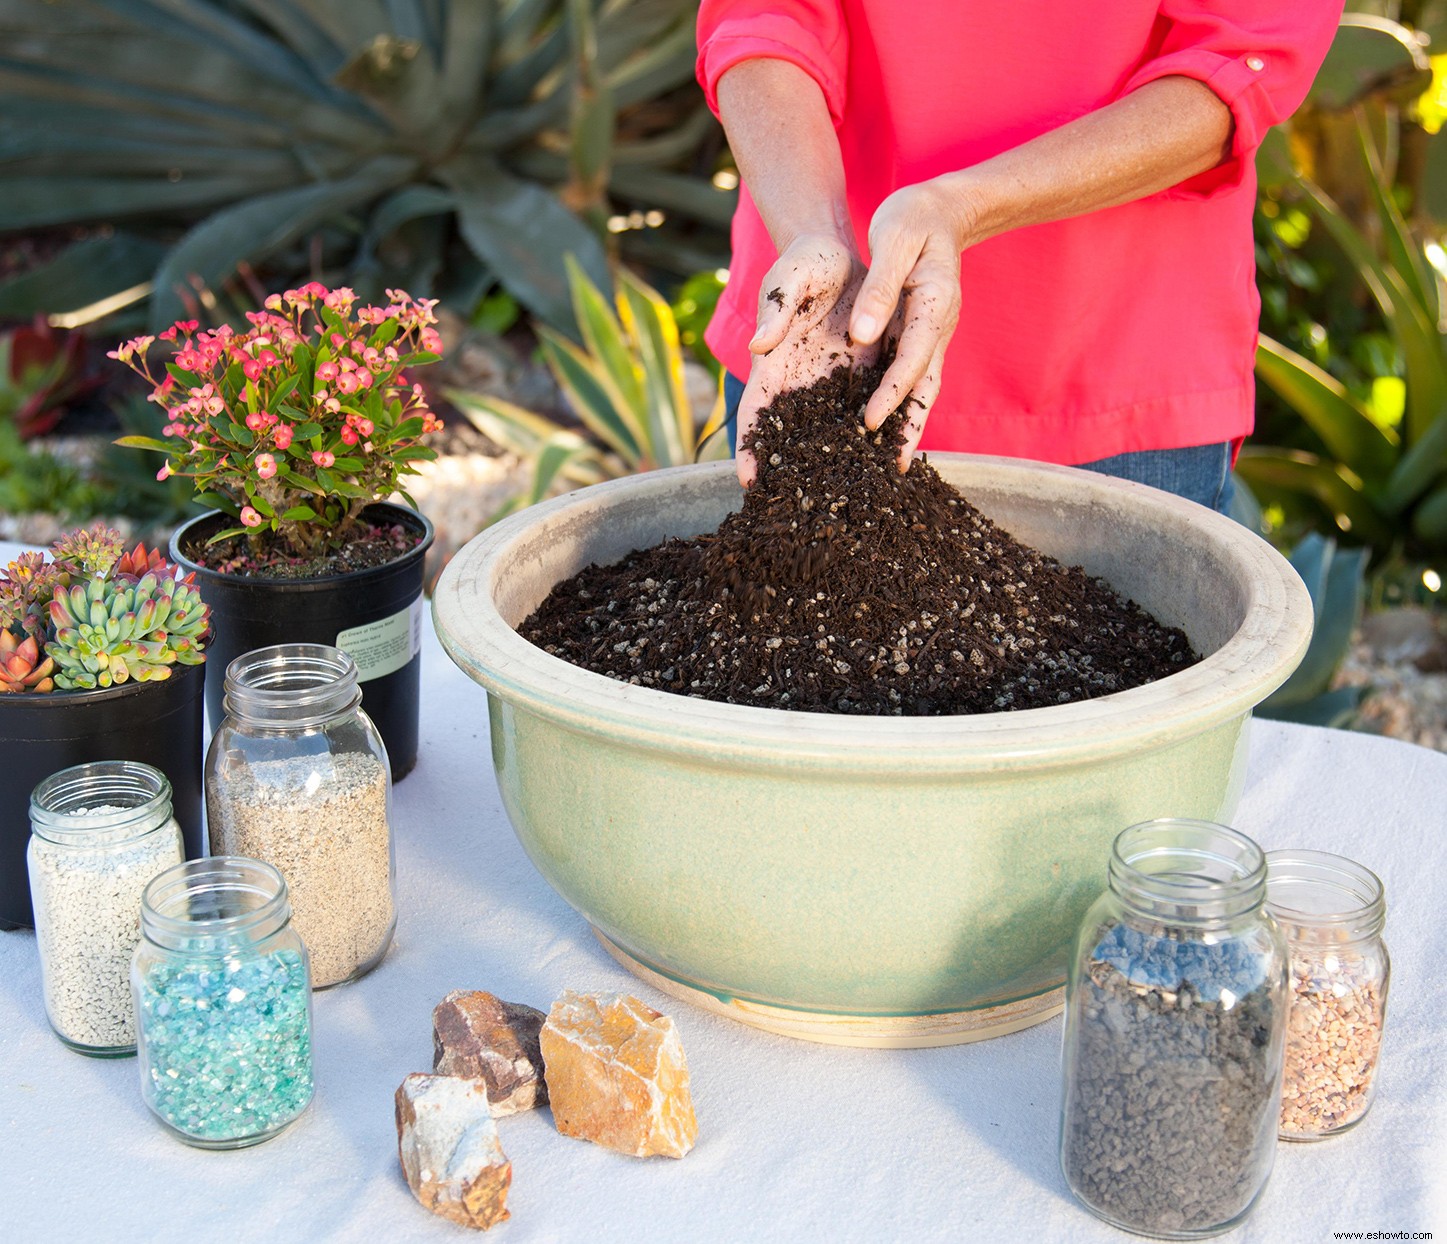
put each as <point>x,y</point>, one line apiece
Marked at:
<point>892,1032</point>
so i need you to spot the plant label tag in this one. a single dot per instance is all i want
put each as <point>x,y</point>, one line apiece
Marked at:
<point>385,646</point>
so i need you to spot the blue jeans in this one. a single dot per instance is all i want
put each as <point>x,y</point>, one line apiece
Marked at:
<point>1200,473</point>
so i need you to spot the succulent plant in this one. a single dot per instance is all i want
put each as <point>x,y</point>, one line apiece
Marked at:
<point>90,550</point>
<point>109,631</point>
<point>21,668</point>
<point>26,588</point>
<point>102,617</point>
<point>138,562</point>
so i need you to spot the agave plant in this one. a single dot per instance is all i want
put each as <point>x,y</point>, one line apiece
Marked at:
<point>1336,579</point>
<point>625,384</point>
<point>101,616</point>
<point>253,127</point>
<point>1385,484</point>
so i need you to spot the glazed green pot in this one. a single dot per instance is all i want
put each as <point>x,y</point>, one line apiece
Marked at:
<point>866,880</point>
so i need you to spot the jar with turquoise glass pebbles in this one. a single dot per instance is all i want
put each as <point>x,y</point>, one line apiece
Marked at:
<point>223,1003</point>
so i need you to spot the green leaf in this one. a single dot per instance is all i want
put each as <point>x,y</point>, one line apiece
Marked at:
<point>1420,465</point>
<point>299,514</point>
<point>257,227</point>
<point>615,366</point>
<point>552,461</point>
<point>1267,470</point>
<point>305,431</point>
<point>86,272</point>
<point>1336,579</point>
<point>616,426</point>
<point>649,320</point>
<point>297,480</point>
<point>225,535</point>
<point>1323,402</point>
<point>1416,333</point>
<point>144,442</point>
<point>1403,251</point>
<point>1429,520</point>
<point>522,233</point>
<point>1333,709</point>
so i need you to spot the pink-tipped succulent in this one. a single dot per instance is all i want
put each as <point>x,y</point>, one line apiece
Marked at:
<point>101,616</point>
<point>22,667</point>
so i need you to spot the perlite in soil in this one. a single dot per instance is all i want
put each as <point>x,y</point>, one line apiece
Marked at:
<point>100,833</point>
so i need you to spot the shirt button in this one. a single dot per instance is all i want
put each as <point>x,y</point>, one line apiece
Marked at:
<point>1255,64</point>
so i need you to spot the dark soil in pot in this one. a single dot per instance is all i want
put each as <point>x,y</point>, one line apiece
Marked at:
<point>844,586</point>
<point>374,612</point>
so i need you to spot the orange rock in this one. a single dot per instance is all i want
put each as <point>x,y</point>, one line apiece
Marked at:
<point>617,1076</point>
<point>449,1149</point>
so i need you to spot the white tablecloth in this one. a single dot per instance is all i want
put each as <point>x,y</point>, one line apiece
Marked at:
<point>797,1142</point>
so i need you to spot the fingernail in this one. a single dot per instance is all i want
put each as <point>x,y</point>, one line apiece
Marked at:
<point>865,328</point>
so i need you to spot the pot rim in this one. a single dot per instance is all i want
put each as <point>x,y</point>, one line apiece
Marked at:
<point>314,583</point>
<point>55,700</point>
<point>1223,686</point>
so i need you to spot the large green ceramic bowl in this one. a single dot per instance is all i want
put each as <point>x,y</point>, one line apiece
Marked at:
<point>886,881</point>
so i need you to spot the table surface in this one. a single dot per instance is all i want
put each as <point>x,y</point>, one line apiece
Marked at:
<point>797,1142</point>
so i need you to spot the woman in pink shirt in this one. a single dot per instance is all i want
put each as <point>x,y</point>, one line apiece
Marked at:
<point>1047,204</point>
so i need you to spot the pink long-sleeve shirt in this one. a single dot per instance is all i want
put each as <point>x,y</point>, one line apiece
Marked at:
<point>1125,329</point>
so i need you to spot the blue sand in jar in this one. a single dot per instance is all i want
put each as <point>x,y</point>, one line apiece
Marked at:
<point>228,1043</point>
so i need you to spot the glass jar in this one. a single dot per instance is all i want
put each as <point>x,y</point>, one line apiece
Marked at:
<point>297,776</point>
<point>99,833</point>
<point>1175,1014</point>
<point>1332,911</point>
<point>223,1003</point>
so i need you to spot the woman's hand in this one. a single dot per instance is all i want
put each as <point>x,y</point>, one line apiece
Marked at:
<point>913,283</point>
<point>802,335</point>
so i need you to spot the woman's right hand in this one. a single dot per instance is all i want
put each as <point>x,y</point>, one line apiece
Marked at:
<point>803,329</point>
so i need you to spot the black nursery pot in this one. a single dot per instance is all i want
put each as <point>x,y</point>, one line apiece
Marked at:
<point>375,615</point>
<point>158,723</point>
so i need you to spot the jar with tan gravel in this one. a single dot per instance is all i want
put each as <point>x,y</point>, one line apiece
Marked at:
<point>1332,911</point>
<point>297,776</point>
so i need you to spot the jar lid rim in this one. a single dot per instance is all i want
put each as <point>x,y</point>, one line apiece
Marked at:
<point>218,873</point>
<point>101,783</point>
<point>1327,872</point>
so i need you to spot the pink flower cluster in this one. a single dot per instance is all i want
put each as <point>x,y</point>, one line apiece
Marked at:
<point>303,413</point>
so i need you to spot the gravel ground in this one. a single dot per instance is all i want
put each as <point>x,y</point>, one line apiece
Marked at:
<point>1401,655</point>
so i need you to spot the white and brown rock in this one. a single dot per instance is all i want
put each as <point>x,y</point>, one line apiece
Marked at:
<point>617,1075</point>
<point>449,1149</point>
<point>478,1035</point>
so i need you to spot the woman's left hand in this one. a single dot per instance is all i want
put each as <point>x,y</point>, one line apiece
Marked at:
<point>913,283</point>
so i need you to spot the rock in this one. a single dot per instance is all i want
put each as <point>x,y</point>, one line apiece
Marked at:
<point>449,1149</point>
<point>617,1075</point>
<point>477,1035</point>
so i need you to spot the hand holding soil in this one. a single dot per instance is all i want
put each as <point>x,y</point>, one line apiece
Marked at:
<point>915,240</point>
<point>804,306</point>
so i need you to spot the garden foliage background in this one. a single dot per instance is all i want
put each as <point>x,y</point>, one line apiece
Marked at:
<point>509,157</point>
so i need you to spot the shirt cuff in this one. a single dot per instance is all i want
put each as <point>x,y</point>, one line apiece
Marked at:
<point>1240,83</point>
<point>776,37</point>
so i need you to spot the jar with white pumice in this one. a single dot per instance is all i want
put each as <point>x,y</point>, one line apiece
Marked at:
<point>99,834</point>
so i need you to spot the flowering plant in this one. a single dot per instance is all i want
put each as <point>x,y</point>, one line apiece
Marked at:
<point>297,424</point>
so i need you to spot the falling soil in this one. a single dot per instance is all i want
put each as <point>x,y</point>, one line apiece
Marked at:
<point>843,586</point>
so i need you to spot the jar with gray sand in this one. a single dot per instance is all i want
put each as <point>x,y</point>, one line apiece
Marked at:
<point>99,833</point>
<point>297,776</point>
<point>1176,1011</point>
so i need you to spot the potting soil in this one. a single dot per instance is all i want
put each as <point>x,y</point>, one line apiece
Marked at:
<point>843,586</point>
